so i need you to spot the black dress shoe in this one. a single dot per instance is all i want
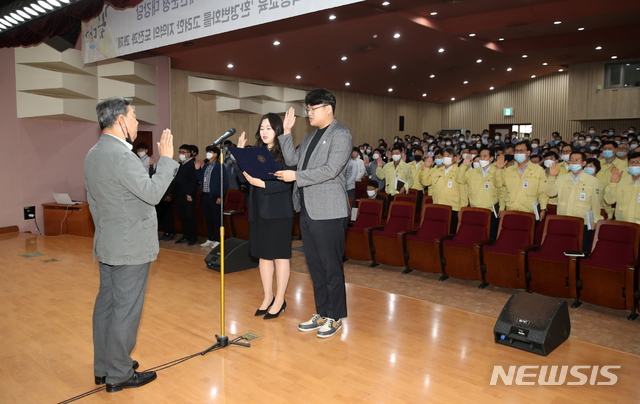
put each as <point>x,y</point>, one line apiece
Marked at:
<point>164,235</point>
<point>137,380</point>
<point>100,380</point>
<point>169,237</point>
<point>269,316</point>
<point>190,243</point>
<point>182,241</point>
<point>263,312</point>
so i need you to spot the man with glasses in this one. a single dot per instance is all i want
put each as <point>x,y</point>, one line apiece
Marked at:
<point>321,198</point>
<point>524,183</point>
<point>578,194</point>
<point>624,191</point>
<point>607,163</point>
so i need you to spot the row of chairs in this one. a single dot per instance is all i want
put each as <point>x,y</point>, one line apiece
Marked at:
<point>606,277</point>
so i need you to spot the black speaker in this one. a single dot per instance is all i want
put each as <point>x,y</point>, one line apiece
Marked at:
<point>533,323</point>
<point>401,124</point>
<point>236,257</point>
<point>67,40</point>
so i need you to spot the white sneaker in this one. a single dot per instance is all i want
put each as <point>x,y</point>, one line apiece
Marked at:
<point>329,328</point>
<point>207,243</point>
<point>214,244</point>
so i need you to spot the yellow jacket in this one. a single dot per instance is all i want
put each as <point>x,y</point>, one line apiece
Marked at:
<point>604,176</point>
<point>416,172</point>
<point>576,198</point>
<point>626,195</point>
<point>390,171</point>
<point>482,191</point>
<point>522,192</point>
<point>446,190</point>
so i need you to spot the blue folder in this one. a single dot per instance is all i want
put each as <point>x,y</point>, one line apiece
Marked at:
<point>256,161</point>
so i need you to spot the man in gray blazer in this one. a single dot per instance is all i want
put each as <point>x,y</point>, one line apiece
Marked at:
<point>320,195</point>
<point>121,198</point>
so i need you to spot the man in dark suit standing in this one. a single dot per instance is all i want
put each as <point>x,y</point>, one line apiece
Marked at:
<point>185,188</point>
<point>320,196</point>
<point>121,198</point>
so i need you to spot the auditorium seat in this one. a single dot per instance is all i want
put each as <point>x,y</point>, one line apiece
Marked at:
<point>356,240</point>
<point>460,253</point>
<point>419,247</point>
<point>386,244</point>
<point>502,262</point>
<point>551,210</point>
<point>361,188</point>
<point>547,270</point>
<point>608,277</point>
<point>236,215</point>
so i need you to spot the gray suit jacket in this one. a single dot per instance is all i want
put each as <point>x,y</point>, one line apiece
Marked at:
<point>122,199</point>
<point>324,179</point>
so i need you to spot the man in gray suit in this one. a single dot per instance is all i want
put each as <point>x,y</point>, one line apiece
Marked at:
<point>121,198</point>
<point>320,195</point>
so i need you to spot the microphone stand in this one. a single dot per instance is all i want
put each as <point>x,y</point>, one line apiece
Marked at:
<point>222,339</point>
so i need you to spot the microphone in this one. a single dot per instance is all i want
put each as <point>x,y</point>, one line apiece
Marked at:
<point>224,137</point>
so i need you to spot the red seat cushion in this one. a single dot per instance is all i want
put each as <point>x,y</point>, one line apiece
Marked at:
<point>473,229</point>
<point>562,235</point>
<point>434,224</point>
<point>514,234</point>
<point>502,250</point>
<point>614,246</point>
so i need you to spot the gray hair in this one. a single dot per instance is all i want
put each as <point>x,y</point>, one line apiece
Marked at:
<point>108,110</point>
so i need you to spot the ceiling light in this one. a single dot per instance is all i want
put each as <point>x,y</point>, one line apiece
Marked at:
<point>230,65</point>
<point>390,90</point>
<point>5,22</point>
<point>37,8</point>
<point>385,3</point>
<point>343,58</point>
<point>491,88</point>
<point>276,43</point>
<point>11,20</point>
<point>23,14</point>
<point>30,11</point>
<point>298,77</point>
<point>441,50</point>
<point>434,13</point>
<point>581,29</point>
<point>598,47</point>
<point>54,3</point>
<point>472,34</point>
<point>2,26</point>
<point>479,61</point>
<point>614,57</point>
<point>533,76</point>
<point>509,69</point>
<point>557,22</point>
<point>65,1</point>
<point>560,70</point>
<point>17,17</point>
<point>453,99</point>
<point>525,56</point>
<point>347,84</point>
<point>394,67</point>
<point>465,82</point>
<point>45,5</point>
<point>424,94</point>
<point>432,76</point>
<point>501,39</point>
<point>332,17</point>
<point>396,35</point>
<point>545,63</point>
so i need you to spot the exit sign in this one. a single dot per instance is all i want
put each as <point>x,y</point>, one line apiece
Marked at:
<point>508,112</point>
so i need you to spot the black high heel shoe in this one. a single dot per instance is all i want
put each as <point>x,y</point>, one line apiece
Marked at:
<point>263,312</point>
<point>269,316</point>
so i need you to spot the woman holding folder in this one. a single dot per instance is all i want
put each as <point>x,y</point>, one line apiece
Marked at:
<point>270,220</point>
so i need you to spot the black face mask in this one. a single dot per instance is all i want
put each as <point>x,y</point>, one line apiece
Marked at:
<point>508,157</point>
<point>127,136</point>
<point>417,157</point>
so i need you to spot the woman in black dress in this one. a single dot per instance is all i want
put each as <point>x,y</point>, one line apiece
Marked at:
<point>271,221</point>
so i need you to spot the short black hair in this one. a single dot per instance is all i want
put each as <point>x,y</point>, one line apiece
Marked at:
<point>373,183</point>
<point>611,142</point>
<point>213,149</point>
<point>492,153</point>
<point>526,143</point>
<point>397,147</point>
<point>142,145</point>
<point>582,155</point>
<point>634,155</point>
<point>321,96</point>
<point>185,147</point>
<point>552,154</point>
<point>194,149</point>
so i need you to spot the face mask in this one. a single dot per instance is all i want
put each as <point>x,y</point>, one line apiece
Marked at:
<point>588,139</point>
<point>534,145</point>
<point>548,163</point>
<point>447,161</point>
<point>575,167</point>
<point>478,145</point>
<point>485,140</point>
<point>611,133</point>
<point>631,131</point>
<point>483,163</point>
<point>429,141</point>
<point>438,162</point>
<point>497,138</point>
<point>371,193</point>
<point>591,132</point>
<point>633,145</point>
<point>361,150</point>
<point>526,138</point>
<point>581,142</point>
<point>375,156</point>
<point>593,147</point>
<point>520,158</point>
<point>142,154</point>
<point>396,157</point>
<point>209,155</point>
<point>368,151</point>
<point>590,170</point>
<point>621,154</point>
<point>508,157</point>
<point>565,157</point>
<point>417,157</point>
<point>447,143</point>
<point>634,170</point>
<point>607,154</point>
<point>183,157</point>
<point>416,143</point>
<point>464,155</point>
<point>464,146</point>
<point>476,164</point>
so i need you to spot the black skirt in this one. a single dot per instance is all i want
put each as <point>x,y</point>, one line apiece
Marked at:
<point>270,239</point>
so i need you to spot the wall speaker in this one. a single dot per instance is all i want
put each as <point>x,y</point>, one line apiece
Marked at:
<point>533,323</point>
<point>67,40</point>
<point>401,124</point>
<point>236,257</point>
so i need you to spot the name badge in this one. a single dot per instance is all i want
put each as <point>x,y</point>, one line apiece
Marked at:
<point>486,186</point>
<point>638,198</point>
<point>583,196</point>
<point>525,184</point>
<point>450,184</point>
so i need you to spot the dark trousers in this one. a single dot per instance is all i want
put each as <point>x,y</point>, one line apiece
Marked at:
<point>324,248</point>
<point>419,202</point>
<point>495,222</point>
<point>454,222</point>
<point>165,217</point>
<point>211,212</point>
<point>187,215</point>
<point>587,237</point>
<point>116,317</point>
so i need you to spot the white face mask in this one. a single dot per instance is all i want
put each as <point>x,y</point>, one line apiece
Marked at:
<point>142,154</point>
<point>375,156</point>
<point>565,157</point>
<point>591,132</point>
<point>371,193</point>
<point>483,163</point>
<point>476,164</point>
<point>478,145</point>
<point>448,143</point>
<point>534,145</point>
<point>632,131</point>
<point>209,155</point>
<point>183,157</point>
<point>396,157</point>
<point>447,161</point>
<point>548,163</point>
<point>497,138</point>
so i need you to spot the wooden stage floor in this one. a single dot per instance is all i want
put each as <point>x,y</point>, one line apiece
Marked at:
<point>392,349</point>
